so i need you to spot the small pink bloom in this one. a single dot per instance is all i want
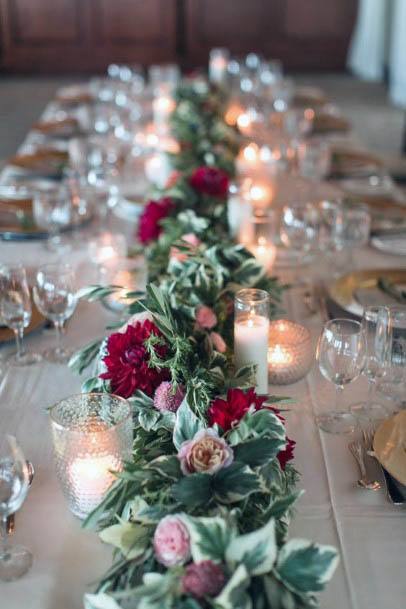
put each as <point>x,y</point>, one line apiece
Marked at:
<point>192,239</point>
<point>203,579</point>
<point>218,342</point>
<point>176,254</point>
<point>206,317</point>
<point>171,542</point>
<point>205,453</point>
<point>166,399</point>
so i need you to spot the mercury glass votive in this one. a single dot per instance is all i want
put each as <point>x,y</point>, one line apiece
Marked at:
<point>107,246</point>
<point>92,437</point>
<point>290,353</point>
<point>251,325</point>
<point>128,273</point>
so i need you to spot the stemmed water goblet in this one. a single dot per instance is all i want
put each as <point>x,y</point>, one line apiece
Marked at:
<point>373,370</point>
<point>53,211</point>
<point>55,297</point>
<point>341,357</point>
<point>14,483</point>
<point>351,231</point>
<point>16,310</point>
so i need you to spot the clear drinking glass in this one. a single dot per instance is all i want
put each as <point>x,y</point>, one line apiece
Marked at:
<point>92,436</point>
<point>55,297</point>
<point>15,560</point>
<point>52,212</point>
<point>391,352</point>
<point>314,158</point>
<point>373,370</point>
<point>299,227</point>
<point>341,356</point>
<point>15,309</point>
<point>352,231</point>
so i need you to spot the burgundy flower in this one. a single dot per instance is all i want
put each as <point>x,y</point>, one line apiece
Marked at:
<point>210,181</point>
<point>227,413</point>
<point>127,361</point>
<point>203,579</point>
<point>149,227</point>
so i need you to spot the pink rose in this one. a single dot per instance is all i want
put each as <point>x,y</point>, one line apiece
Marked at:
<point>206,317</point>
<point>171,542</point>
<point>205,453</point>
<point>191,240</point>
<point>218,342</point>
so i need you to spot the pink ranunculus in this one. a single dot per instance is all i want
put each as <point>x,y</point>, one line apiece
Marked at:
<point>171,541</point>
<point>206,317</point>
<point>218,342</point>
<point>205,453</point>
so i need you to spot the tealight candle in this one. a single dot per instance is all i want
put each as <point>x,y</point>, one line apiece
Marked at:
<point>91,477</point>
<point>162,108</point>
<point>251,328</point>
<point>233,112</point>
<point>128,273</point>
<point>290,353</point>
<point>107,246</point>
<point>218,65</point>
<point>261,195</point>
<point>158,169</point>
<point>264,252</point>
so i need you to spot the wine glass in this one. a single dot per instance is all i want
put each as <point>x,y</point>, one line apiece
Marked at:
<point>15,309</point>
<point>299,227</point>
<point>351,231</point>
<point>15,560</point>
<point>391,351</point>
<point>55,297</point>
<point>314,157</point>
<point>52,211</point>
<point>373,370</point>
<point>341,356</point>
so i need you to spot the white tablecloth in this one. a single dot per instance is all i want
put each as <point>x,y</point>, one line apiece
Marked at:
<point>369,532</point>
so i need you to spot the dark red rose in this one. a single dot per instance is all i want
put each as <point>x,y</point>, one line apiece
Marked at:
<point>127,361</point>
<point>210,181</point>
<point>227,413</point>
<point>149,227</point>
<point>203,579</point>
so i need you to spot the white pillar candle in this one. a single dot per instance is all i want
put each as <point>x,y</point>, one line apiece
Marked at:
<point>158,169</point>
<point>264,252</point>
<point>251,347</point>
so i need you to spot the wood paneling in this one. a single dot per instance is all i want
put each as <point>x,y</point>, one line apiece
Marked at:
<point>85,35</point>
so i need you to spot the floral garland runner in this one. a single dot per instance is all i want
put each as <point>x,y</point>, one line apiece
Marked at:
<point>199,517</point>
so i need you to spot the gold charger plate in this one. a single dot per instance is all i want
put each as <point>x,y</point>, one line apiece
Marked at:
<point>324,123</point>
<point>74,94</point>
<point>354,291</point>
<point>64,127</point>
<point>7,335</point>
<point>390,446</point>
<point>345,161</point>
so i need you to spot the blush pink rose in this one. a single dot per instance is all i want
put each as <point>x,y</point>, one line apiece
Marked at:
<point>218,342</point>
<point>206,317</point>
<point>191,240</point>
<point>205,453</point>
<point>171,542</point>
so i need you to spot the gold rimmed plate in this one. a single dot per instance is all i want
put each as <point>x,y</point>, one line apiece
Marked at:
<point>37,320</point>
<point>359,289</point>
<point>390,446</point>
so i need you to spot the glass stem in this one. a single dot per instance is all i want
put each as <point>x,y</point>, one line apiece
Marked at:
<point>371,392</point>
<point>19,334</point>
<point>339,393</point>
<point>3,536</point>
<point>58,328</point>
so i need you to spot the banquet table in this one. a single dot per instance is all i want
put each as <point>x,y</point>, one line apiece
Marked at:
<point>369,532</point>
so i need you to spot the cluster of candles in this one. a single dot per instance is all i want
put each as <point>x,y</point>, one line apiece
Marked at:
<point>281,351</point>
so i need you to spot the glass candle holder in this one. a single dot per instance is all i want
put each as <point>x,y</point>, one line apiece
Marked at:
<point>218,62</point>
<point>259,232</point>
<point>251,326</point>
<point>107,246</point>
<point>290,353</point>
<point>162,107</point>
<point>239,208</point>
<point>128,273</point>
<point>92,437</point>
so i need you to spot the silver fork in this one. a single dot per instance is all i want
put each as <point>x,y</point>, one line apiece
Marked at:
<point>357,450</point>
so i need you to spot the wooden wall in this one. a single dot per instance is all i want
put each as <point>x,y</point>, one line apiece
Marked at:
<point>86,35</point>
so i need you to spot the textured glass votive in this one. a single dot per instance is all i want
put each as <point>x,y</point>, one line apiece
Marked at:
<point>92,437</point>
<point>290,353</point>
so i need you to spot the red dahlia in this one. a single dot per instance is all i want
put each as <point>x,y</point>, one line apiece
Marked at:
<point>210,181</point>
<point>227,413</point>
<point>149,226</point>
<point>127,360</point>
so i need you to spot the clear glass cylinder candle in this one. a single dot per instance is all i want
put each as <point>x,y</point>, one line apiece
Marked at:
<point>290,354</point>
<point>218,63</point>
<point>251,328</point>
<point>239,208</point>
<point>92,437</point>
<point>259,234</point>
<point>128,273</point>
<point>107,246</point>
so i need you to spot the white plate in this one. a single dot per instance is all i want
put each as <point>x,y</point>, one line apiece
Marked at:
<point>390,244</point>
